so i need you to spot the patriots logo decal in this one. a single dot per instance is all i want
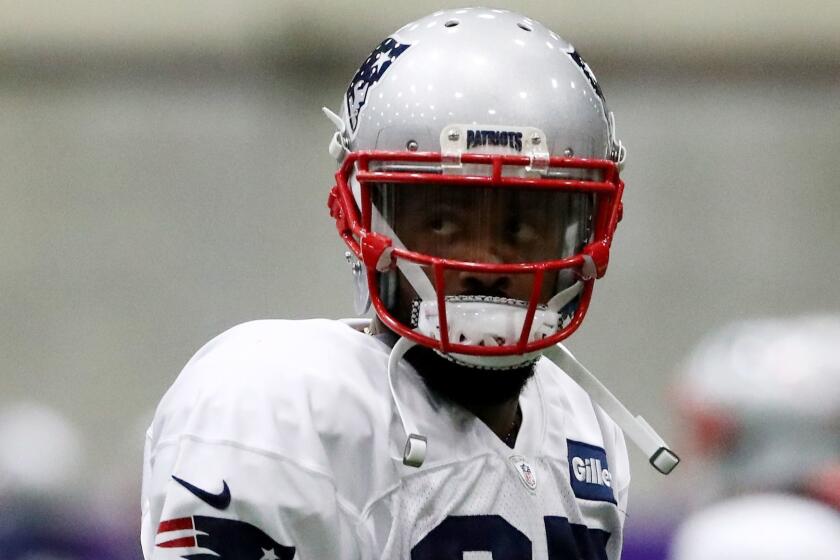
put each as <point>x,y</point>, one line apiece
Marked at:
<point>214,538</point>
<point>369,73</point>
<point>587,71</point>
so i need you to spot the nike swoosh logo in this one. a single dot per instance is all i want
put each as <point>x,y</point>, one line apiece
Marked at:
<point>218,501</point>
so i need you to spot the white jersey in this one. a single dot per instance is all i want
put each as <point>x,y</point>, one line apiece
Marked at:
<point>280,440</point>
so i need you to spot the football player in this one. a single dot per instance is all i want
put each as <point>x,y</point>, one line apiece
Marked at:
<point>762,398</point>
<point>478,191</point>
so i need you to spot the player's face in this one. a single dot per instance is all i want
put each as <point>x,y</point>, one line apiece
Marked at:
<point>486,225</point>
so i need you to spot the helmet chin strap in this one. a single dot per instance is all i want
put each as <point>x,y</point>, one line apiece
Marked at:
<point>635,427</point>
<point>414,452</point>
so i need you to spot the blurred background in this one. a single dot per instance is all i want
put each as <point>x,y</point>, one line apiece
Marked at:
<point>165,173</point>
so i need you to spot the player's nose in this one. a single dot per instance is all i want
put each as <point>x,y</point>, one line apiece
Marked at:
<point>484,284</point>
<point>475,283</point>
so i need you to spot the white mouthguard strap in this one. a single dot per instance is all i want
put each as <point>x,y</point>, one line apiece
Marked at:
<point>637,429</point>
<point>414,452</point>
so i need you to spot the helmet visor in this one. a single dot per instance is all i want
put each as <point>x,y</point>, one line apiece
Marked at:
<point>482,224</point>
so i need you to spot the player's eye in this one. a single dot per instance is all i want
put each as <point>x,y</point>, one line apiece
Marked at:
<point>443,225</point>
<point>520,232</point>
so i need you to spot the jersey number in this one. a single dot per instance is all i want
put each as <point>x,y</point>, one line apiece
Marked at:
<point>492,533</point>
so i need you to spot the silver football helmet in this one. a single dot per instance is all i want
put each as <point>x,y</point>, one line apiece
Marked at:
<point>461,126</point>
<point>762,401</point>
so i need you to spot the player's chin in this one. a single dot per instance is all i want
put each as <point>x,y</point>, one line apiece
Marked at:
<point>465,385</point>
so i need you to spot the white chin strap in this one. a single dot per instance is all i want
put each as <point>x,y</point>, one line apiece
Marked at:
<point>635,427</point>
<point>414,452</point>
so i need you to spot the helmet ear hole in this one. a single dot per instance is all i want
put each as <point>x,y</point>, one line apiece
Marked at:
<point>451,23</point>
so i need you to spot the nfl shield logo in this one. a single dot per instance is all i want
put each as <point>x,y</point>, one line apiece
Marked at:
<point>525,472</point>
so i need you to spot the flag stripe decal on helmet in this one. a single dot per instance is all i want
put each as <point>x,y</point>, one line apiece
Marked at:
<point>373,68</point>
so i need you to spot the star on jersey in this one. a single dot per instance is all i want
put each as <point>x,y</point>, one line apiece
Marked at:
<point>268,554</point>
<point>373,68</point>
